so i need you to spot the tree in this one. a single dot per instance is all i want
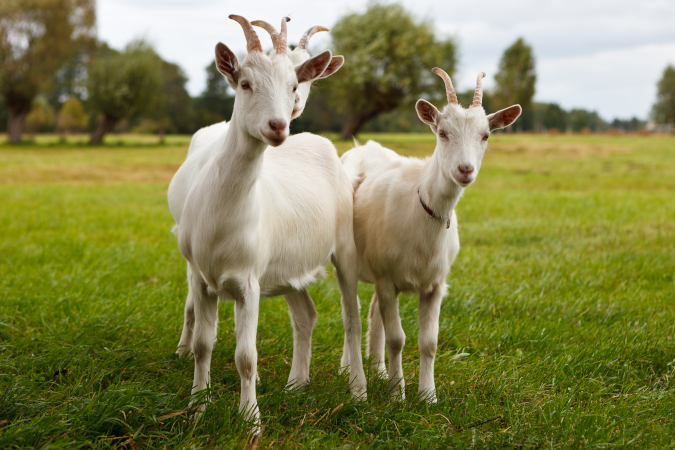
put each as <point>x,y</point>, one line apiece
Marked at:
<point>173,111</point>
<point>632,125</point>
<point>122,84</point>
<point>70,80</point>
<point>663,111</point>
<point>390,56</point>
<point>41,116</point>
<point>216,103</point>
<point>71,117</point>
<point>549,116</point>
<point>516,79</point>
<point>586,121</point>
<point>4,115</point>
<point>35,39</point>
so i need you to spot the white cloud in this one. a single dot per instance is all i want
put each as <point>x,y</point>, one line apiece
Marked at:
<point>616,83</point>
<point>602,54</point>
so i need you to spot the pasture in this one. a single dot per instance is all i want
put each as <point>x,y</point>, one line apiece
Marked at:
<point>557,331</point>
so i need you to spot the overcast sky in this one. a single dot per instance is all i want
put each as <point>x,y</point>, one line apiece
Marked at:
<point>603,55</point>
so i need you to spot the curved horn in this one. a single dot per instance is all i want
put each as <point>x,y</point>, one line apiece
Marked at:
<point>282,46</point>
<point>478,95</point>
<point>449,89</point>
<point>266,26</point>
<point>278,39</point>
<point>304,40</point>
<point>252,41</point>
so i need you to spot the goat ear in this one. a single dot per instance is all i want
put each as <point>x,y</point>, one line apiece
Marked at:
<point>427,113</point>
<point>335,63</point>
<point>505,117</point>
<point>227,64</point>
<point>312,69</point>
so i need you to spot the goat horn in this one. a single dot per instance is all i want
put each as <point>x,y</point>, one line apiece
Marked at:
<point>478,95</point>
<point>449,90</point>
<point>281,45</point>
<point>252,41</point>
<point>266,26</point>
<point>278,39</point>
<point>304,40</point>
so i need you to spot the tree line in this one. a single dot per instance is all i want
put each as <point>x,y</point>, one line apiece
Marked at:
<point>57,76</point>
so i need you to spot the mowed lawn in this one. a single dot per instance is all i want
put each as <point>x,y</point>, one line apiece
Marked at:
<point>557,330</point>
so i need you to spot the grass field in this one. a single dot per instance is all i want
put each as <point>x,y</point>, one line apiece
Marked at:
<point>557,332</point>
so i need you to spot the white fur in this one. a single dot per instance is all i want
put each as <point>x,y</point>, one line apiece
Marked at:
<point>261,216</point>
<point>401,248</point>
<point>203,141</point>
<point>206,135</point>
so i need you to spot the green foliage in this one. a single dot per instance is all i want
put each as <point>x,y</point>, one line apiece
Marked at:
<point>549,116</point>
<point>557,331</point>
<point>663,110</point>
<point>633,124</point>
<point>174,107</point>
<point>320,114</point>
<point>71,117</point>
<point>35,38</point>
<point>41,116</point>
<point>70,81</point>
<point>403,120</point>
<point>581,120</point>
<point>122,84</point>
<point>389,58</point>
<point>216,103</point>
<point>516,79</point>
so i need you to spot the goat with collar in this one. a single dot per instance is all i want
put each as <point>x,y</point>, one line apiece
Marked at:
<point>405,226</point>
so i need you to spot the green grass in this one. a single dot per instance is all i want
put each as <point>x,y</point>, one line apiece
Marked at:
<point>558,329</point>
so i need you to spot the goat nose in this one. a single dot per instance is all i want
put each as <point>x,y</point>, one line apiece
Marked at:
<point>278,125</point>
<point>465,169</point>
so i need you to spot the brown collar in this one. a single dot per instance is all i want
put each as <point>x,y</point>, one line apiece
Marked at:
<point>431,213</point>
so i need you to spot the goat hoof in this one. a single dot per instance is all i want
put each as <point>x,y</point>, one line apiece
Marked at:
<point>296,385</point>
<point>182,352</point>
<point>359,394</point>
<point>380,372</point>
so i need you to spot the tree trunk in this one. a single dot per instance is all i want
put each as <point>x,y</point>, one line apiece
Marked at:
<point>161,132</point>
<point>355,122</point>
<point>107,124</point>
<point>17,117</point>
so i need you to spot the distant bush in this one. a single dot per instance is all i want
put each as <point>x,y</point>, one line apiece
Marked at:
<point>71,117</point>
<point>41,116</point>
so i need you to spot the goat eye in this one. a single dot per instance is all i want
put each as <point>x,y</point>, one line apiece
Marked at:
<point>485,138</point>
<point>295,88</point>
<point>442,134</point>
<point>245,85</point>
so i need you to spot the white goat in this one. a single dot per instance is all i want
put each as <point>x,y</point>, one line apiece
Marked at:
<point>263,221</point>
<point>202,147</point>
<point>298,55</point>
<point>406,228</point>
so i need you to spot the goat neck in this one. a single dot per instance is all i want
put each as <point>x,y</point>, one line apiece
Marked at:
<point>239,159</point>
<point>437,189</point>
